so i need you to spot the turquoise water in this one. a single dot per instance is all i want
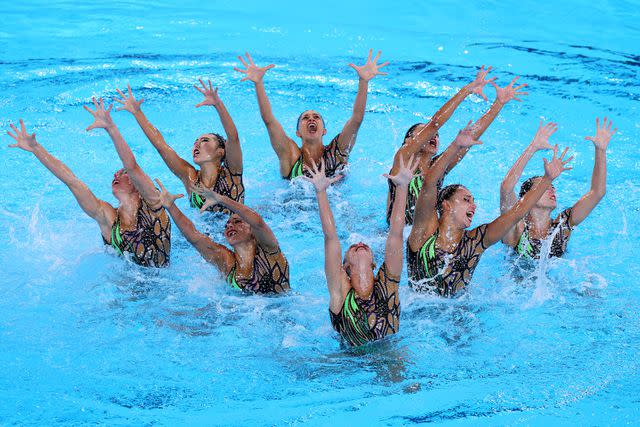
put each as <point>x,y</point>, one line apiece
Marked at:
<point>88,339</point>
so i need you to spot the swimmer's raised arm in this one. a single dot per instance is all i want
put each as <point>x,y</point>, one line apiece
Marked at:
<point>508,196</point>
<point>503,95</point>
<point>585,205</point>
<point>180,167</point>
<point>233,152</point>
<point>140,180</point>
<point>366,72</point>
<point>285,148</point>
<point>102,212</point>
<point>426,217</point>
<point>442,116</point>
<point>497,229</point>
<point>211,251</point>
<point>263,233</point>
<point>394,247</point>
<point>332,250</point>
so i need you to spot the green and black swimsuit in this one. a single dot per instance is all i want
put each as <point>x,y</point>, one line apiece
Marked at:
<point>431,269</point>
<point>149,243</point>
<point>334,161</point>
<point>530,247</point>
<point>412,196</point>
<point>361,321</point>
<point>228,184</point>
<point>270,274</point>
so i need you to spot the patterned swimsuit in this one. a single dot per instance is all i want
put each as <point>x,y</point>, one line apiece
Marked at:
<point>433,270</point>
<point>334,161</point>
<point>530,247</point>
<point>361,321</point>
<point>270,274</point>
<point>149,243</point>
<point>228,184</point>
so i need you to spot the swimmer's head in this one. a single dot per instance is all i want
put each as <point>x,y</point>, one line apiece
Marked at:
<point>358,257</point>
<point>430,147</point>
<point>237,231</point>
<point>310,125</point>
<point>121,185</point>
<point>456,202</point>
<point>208,147</point>
<point>547,200</point>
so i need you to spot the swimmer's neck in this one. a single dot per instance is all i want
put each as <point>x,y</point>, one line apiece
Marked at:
<point>209,173</point>
<point>362,280</point>
<point>449,234</point>
<point>245,254</point>
<point>539,221</point>
<point>128,208</point>
<point>312,151</point>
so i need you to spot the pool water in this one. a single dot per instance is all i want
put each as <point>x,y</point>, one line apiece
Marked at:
<point>86,338</point>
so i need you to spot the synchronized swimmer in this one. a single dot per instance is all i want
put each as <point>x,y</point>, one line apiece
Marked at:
<point>364,305</point>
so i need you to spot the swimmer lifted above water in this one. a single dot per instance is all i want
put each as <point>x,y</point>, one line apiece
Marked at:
<point>255,264</point>
<point>363,307</point>
<point>139,226</point>
<point>294,160</point>
<point>527,235</point>
<point>441,253</point>
<point>422,140</point>
<point>219,160</point>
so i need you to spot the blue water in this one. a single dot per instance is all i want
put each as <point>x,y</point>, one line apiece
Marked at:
<point>88,339</point>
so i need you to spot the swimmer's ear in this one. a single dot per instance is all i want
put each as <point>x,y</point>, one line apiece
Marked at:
<point>324,132</point>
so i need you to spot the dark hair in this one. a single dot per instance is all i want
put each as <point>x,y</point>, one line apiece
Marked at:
<point>410,132</point>
<point>445,194</point>
<point>300,118</point>
<point>222,143</point>
<point>528,185</point>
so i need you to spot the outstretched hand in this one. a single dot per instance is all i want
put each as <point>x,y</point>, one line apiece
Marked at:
<point>477,86</point>
<point>371,68</point>
<point>465,137</point>
<point>210,94</point>
<point>102,117</point>
<point>319,178</point>
<point>129,103</point>
<point>509,92</point>
<point>167,199</point>
<point>541,139</point>
<point>23,139</point>
<point>554,167</point>
<point>406,172</point>
<point>603,134</point>
<point>212,198</point>
<point>252,72</point>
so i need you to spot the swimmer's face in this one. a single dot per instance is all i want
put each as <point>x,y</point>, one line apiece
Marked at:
<point>237,231</point>
<point>311,125</point>
<point>207,148</point>
<point>430,147</point>
<point>357,254</point>
<point>548,199</point>
<point>121,184</point>
<point>461,207</point>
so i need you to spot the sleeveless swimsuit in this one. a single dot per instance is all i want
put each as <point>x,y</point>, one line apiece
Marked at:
<point>270,274</point>
<point>334,161</point>
<point>530,247</point>
<point>434,270</point>
<point>227,183</point>
<point>149,243</point>
<point>412,196</point>
<point>361,321</point>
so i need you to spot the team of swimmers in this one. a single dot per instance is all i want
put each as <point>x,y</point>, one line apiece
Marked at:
<point>441,251</point>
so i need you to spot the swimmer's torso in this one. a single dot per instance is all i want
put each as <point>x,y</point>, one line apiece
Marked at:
<point>228,184</point>
<point>149,243</point>
<point>270,273</point>
<point>431,269</point>
<point>560,228</point>
<point>361,321</point>
<point>334,161</point>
